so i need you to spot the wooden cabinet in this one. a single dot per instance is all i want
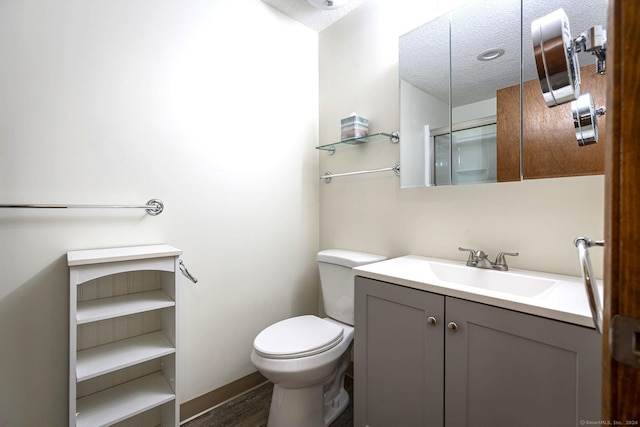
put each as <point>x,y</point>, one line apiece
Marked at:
<point>422,359</point>
<point>549,145</point>
<point>123,336</point>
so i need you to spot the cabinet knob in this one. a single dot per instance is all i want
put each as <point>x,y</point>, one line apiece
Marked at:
<point>453,327</point>
<point>432,321</point>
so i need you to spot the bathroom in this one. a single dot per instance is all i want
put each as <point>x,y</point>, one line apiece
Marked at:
<point>216,108</point>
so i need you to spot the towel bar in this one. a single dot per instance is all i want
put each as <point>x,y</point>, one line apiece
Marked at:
<point>153,207</point>
<point>327,176</point>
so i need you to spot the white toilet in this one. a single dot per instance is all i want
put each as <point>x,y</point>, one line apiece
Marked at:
<point>306,357</point>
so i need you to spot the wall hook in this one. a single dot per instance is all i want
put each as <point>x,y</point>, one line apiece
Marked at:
<point>185,272</point>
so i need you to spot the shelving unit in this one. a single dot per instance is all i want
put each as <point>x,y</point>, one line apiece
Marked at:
<point>123,336</point>
<point>394,137</point>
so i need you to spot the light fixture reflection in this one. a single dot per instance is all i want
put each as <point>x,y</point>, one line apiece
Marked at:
<point>490,54</point>
<point>327,4</point>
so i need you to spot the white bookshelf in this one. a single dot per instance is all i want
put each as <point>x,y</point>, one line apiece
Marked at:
<point>123,336</point>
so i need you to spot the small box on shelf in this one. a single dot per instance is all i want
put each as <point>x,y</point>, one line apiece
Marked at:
<point>354,126</point>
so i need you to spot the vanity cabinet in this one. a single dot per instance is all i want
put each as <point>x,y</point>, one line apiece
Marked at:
<point>399,356</point>
<point>423,359</point>
<point>123,336</point>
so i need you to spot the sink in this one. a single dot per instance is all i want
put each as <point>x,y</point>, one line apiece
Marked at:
<point>511,282</point>
<point>554,296</point>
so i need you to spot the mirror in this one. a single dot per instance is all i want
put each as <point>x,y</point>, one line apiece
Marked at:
<point>485,45</point>
<point>471,105</point>
<point>424,94</point>
<point>549,144</point>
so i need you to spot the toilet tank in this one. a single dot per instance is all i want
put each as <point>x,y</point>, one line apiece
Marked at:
<point>337,280</point>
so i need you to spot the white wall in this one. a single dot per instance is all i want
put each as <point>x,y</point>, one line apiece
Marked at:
<point>475,110</point>
<point>359,72</point>
<point>209,105</point>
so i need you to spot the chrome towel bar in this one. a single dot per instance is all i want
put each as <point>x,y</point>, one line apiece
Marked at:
<point>327,176</point>
<point>595,304</point>
<point>153,207</point>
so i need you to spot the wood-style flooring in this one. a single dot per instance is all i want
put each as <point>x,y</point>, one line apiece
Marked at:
<point>252,410</point>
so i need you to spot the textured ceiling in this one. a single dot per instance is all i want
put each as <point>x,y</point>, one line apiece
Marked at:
<point>478,26</point>
<point>316,19</point>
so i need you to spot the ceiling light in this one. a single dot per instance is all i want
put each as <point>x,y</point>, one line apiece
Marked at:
<point>327,4</point>
<point>490,54</point>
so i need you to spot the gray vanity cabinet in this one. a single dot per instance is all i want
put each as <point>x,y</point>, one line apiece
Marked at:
<point>478,365</point>
<point>505,368</point>
<point>399,357</point>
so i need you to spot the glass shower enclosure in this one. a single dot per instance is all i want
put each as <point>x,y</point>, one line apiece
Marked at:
<point>464,156</point>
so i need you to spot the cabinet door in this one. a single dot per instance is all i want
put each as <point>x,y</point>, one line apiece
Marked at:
<point>505,368</point>
<point>399,356</point>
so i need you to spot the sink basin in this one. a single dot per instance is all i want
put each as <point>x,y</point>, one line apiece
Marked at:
<point>514,283</point>
<point>554,296</point>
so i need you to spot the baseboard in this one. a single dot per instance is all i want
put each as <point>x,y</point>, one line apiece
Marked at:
<point>220,395</point>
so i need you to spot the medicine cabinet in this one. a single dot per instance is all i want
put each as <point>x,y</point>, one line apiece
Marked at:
<point>477,62</point>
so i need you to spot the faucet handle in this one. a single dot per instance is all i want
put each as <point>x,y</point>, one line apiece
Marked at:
<point>480,254</point>
<point>471,261</point>
<point>501,263</point>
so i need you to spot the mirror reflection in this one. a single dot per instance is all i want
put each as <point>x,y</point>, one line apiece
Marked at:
<point>466,117</point>
<point>485,57</point>
<point>549,145</point>
<point>424,95</point>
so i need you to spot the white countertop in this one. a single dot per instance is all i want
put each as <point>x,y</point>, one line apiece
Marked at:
<point>566,300</point>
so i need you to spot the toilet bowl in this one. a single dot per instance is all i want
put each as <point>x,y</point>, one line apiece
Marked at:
<point>308,384</point>
<point>306,357</point>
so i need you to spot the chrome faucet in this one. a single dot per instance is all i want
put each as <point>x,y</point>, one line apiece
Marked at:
<point>480,259</point>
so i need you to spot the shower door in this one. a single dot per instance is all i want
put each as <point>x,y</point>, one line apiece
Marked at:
<point>466,156</point>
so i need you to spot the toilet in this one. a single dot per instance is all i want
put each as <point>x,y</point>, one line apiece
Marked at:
<point>306,357</point>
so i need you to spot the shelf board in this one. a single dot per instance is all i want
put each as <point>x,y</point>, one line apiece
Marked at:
<point>360,140</point>
<point>117,355</point>
<point>99,256</point>
<point>108,308</point>
<point>124,401</point>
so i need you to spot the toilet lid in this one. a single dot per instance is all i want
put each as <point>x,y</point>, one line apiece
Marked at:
<point>297,337</point>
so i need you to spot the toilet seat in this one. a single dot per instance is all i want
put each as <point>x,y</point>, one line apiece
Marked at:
<point>297,337</point>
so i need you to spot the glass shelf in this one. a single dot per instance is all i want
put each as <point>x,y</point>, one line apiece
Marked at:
<point>394,137</point>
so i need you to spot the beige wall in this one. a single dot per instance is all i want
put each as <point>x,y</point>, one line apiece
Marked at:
<point>358,72</point>
<point>210,106</point>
